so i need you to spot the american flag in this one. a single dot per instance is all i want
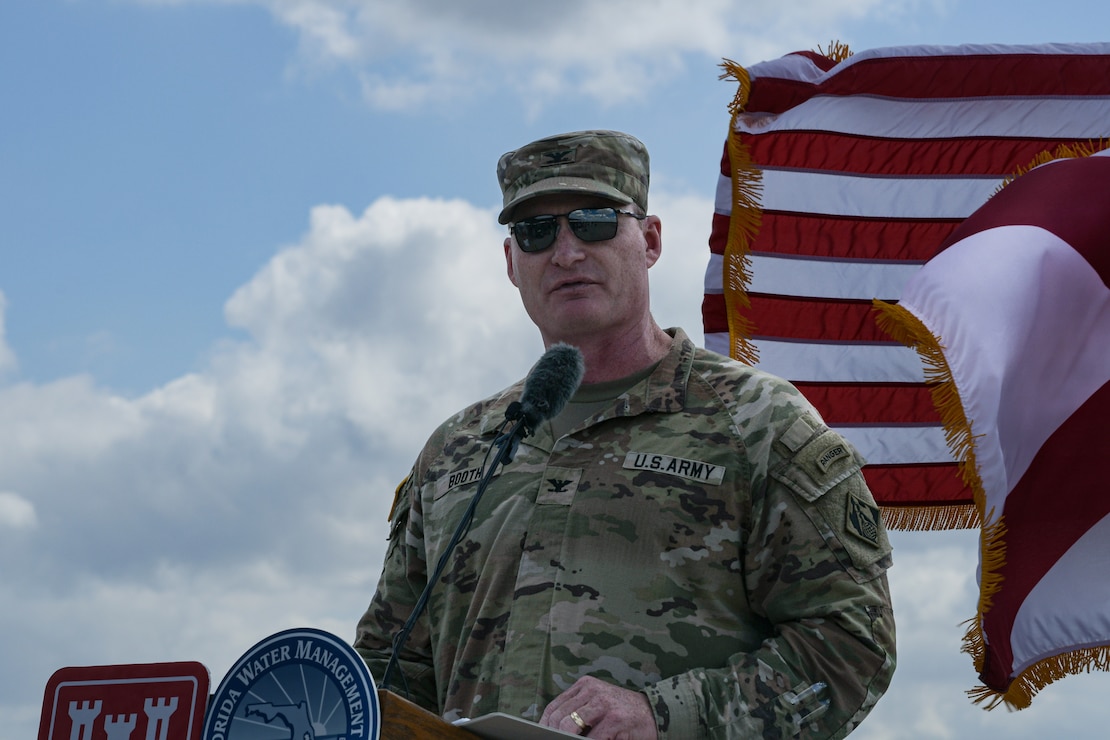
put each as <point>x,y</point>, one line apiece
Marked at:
<point>841,176</point>
<point>1015,311</point>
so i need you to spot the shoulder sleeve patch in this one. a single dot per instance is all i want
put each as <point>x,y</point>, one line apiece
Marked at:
<point>851,512</point>
<point>825,460</point>
<point>826,478</point>
<point>863,519</point>
<point>397,496</point>
<point>828,456</point>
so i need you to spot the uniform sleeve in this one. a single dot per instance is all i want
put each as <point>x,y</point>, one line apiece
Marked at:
<point>815,568</point>
<point>402,580</point>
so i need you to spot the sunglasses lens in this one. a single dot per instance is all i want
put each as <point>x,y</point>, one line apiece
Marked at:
<point>588,224</point>
<point>593,224</point>
<point>535,234</point>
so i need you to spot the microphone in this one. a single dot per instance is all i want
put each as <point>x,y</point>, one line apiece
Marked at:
<point>548,386</point>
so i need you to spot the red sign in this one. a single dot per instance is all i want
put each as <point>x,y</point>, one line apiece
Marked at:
<point>149,701</point>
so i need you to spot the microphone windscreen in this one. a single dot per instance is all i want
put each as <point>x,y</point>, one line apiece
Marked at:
<point>551,382</point>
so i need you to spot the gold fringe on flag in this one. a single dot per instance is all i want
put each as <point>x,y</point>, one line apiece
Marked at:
<point>743,225</point>
<point>734,71</point>
<point>1074,150</point>
<point>746,215</point>
<point>1034,678</point>
<point>930,518</point>
<point>906,328</point>
<point>837,52</point>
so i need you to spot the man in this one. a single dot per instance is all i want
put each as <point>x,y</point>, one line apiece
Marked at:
<point>686,551</point>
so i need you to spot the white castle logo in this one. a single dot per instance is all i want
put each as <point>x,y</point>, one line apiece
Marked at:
<point>158,710</point>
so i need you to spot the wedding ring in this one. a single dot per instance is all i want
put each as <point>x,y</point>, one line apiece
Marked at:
<point>579,721</point>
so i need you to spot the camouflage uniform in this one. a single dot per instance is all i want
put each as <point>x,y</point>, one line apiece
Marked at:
<point>707,541</point>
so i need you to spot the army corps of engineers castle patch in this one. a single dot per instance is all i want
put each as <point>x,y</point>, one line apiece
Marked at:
<point>302,684</point>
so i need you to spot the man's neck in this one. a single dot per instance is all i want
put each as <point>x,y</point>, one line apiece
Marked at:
<point>612,357</point>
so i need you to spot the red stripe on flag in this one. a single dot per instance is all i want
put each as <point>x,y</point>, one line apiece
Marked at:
<point>901,157</point>
<point>787,317</point>
<point>871,403</point>
<point>714,313</point>
<point>913,486</point>
<point>910,240</point>
<point>824,319</point>
<point>943,76</point>
<point>974,75</point>
<point>718,233</point>
<point>1064,467</point>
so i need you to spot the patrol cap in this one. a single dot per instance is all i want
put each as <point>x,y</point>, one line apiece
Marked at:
<point>606,163</point>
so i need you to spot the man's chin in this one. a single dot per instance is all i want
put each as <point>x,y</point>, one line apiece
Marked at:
<point>576,318</point>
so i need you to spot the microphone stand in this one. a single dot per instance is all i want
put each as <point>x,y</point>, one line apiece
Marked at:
<point>506,445</point>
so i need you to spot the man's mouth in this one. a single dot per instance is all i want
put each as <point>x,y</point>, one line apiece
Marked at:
<point>572,285</point>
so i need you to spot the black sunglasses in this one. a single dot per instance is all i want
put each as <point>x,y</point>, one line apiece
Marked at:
<point>588,224</point>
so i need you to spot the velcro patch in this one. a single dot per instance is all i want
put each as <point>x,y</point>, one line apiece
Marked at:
<point>556,157</point>
<point>863,519</point>
<point>694,470</point>
<point>458,478</point>
<point>558,486</point>
<point>397,496</point>
<point>827,457</point>
<point>799,433</point>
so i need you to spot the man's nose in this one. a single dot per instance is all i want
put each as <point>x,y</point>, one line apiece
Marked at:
<point>567,248</point>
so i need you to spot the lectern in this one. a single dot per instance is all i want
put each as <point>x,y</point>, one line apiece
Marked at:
<point>403,720</point>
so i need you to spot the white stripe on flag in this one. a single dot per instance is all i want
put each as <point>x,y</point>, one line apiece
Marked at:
<point>827,278</point>
<point>968,50</point>
<point>817,278</point>
<point>831,363</point>
<point>828,362</point>
<point>884,445</point>
<point>1078,579</point>
<point>714,275</point>
<point>943,118</point>
<point>807,191</point>
<point>717,342</point>
<point>802,191</point>
<point>722,199</point>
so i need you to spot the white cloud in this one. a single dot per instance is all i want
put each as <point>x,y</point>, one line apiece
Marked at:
<point>7,357</point>
<point>252,495</point>
<point>411,54</point>
<point>16,512</point>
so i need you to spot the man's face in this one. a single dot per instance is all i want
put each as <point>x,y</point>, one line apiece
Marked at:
<point>576,291</point>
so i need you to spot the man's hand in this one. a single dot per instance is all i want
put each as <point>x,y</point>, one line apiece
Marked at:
<point>604,710</point>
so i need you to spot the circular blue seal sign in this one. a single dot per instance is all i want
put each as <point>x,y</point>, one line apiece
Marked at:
<point>300,684</point>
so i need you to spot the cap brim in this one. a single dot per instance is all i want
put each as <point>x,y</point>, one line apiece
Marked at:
<point>561,186</point>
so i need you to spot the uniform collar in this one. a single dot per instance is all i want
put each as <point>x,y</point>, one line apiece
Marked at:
<point>664,391</point>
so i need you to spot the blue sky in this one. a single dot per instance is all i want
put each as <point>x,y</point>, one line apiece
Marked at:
<point>250,259</point>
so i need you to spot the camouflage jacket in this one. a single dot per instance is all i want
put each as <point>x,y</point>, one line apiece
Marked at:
<point>707,541</point>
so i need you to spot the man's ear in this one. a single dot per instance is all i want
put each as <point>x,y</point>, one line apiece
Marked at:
<point>653,237</point>
<point>509,260</point>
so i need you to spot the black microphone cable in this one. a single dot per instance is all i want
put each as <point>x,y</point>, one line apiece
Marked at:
<point>548,387</point>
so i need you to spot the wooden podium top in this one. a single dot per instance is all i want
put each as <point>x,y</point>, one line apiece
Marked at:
<point>403,720</point>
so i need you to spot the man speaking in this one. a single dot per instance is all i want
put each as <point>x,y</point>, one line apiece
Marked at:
<point>684,550</point>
